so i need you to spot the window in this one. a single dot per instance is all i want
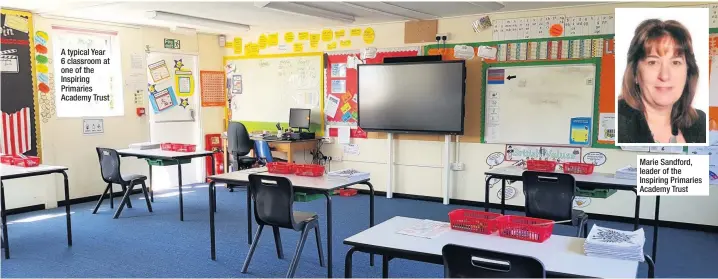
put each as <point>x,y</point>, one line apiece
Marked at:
<point>88,73</point>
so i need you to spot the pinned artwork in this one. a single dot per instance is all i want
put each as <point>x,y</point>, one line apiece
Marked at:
<point>581,202</point>
<point>42,68</point>
<point>184,103</point>
<point>481,24</point>
<point>369,35</point>
<point>595,158</point>
<point>509,192</point>
<point>162,100</point>
<point>9,62</point>
<point>236,84</point>
<point>159,71</point>
<point>495,159</point>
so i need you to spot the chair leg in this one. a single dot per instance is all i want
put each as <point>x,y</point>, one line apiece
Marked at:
<point>147,199</point>
<point>585,229</point>
<point>102,197</point>
<point>251,249</point>
<point>298,252</point>
<point>278,242</point>
<point>125,199</point>
<point>124,188</point>
<point>319,244</point>
<point>112,195</point>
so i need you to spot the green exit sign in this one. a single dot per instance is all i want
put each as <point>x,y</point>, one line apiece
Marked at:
<point>172,43</point>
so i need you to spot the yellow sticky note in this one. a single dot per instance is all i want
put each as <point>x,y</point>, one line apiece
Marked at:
<point>17,22</point>
<point>355,32</point>
<point>289,37</point>
<point>332,45</point>
<point>369,35</point>
<point>273,39</point>
<point>346,107</point>
<point>246,48</point>
<point>345,43</point>
<point>579,135</point>
<point>303,36</point>
<point>298,47</point>
<point>327,35</point>
<point>238,46</point>
<point>229,45</point>
<point>253,49</point>
<point>339,33</point>
<point>262,41</point>
<point>314,40</point>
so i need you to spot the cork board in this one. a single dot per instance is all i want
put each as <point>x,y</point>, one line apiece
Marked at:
<point>420,31</point>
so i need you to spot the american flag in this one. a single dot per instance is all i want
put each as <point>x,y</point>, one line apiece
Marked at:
<point>16,132</point>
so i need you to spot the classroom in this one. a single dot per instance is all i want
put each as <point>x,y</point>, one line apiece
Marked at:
<point>469,139</point>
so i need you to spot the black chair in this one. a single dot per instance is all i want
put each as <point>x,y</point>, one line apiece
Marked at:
<point>239,145</point>
<point>550,196</point>
<point>273,206</point>
<point>110,169</point>
<point>467,262</point>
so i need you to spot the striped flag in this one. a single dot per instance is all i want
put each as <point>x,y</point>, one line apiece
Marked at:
<point>16,132</point>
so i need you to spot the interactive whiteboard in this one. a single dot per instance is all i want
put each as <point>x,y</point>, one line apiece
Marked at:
<point>540,103</point>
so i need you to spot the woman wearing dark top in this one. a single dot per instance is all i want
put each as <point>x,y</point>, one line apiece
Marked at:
<point>659,83</point>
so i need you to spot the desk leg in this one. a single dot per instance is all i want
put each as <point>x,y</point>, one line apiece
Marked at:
<point>211,220</point>
<point>371,215</point>
<point>655,228</point>
<point>503,198</point>
<point>384,266</point>
<point>152,195</point>
<point>179,177</point>
<point>290,154</point>
<point>249,215</point>
<point>486,193</point>
<point>67,208</point>
<point>4,221</point>
<point>348,263</point>
<point>637,213</point>
<point>214,198</point>
<point>329,234</point>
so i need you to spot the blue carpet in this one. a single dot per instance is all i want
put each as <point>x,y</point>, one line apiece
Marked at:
<point>143,244</point>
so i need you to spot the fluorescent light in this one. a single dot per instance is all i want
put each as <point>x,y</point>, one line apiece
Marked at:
<point>183,30</point>
<point>197,21</point>
<point>301,9</point>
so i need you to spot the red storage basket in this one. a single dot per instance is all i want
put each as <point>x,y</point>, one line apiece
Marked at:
<point>309,170</point>
<point>168,146</point>
<point>348,192</point>
<point>474,221</point>
<point>7,159</point>
<point>27,162</point>
<point>541,165</point>
<point>525,228</point>
<point>578,168</point>
<point>180,147</point>
<point>280,167</point>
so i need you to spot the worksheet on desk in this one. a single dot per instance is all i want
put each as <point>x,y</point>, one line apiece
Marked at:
<point>426,229</point>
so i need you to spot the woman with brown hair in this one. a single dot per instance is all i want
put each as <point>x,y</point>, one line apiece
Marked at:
<point>659,84</point>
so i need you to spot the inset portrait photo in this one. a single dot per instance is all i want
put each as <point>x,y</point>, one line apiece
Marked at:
<point>661,76</point>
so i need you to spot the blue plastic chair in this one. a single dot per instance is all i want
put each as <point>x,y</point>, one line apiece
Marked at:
<point>263,153</point>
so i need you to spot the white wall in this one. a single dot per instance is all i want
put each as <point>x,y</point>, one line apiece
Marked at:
<point>418,164</point>
<point>62,140</point>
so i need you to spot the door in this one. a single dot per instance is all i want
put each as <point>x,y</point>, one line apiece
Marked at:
<point>174,112</point>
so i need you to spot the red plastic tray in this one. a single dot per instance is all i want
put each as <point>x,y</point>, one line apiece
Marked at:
<point>578,168</point>
<point>474,221</point>
<point>7,159</point>
<point>178,147</point>
<point>27,162</point>
<point>309,170</point>
<point>348,192</point>
<point>280,167</point>
<point>541,165</point>
<point>525,228</point>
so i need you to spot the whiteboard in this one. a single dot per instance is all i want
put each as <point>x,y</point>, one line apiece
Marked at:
<point>270,85</point>
<point>537,104</point>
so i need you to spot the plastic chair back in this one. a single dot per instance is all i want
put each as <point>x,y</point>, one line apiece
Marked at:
<point>263,152</point>
<point>467,262</point>
<point>239,143</point>
<point>549,195</point>
<point>273,200</point>
<point>109,165</point>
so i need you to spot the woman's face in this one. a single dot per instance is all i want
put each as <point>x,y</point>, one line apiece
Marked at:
<point>662,75</point>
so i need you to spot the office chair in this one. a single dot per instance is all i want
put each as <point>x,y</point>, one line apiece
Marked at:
<point>273,206</point>
<point>110,170</point>
<point>239,145</point>
<point>550,196</point>
<point>468,262</point>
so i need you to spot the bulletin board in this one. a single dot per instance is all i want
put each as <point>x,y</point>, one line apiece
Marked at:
<point>341,82</point>
<point>19,106</point>
<point>262,89</point>
<point>541,103</point>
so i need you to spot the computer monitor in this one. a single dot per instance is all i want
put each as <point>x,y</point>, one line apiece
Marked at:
<point>299,118</point>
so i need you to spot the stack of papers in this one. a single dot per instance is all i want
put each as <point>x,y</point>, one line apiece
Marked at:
<point>426,229</point>
<point>349,173</point>
<point>628,172</point>
<point>145,145</point>
<point>615,244</point>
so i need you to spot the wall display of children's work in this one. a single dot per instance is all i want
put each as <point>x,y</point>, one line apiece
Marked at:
<point>171,88</point>
<point>340,104</point>
<point>262,89</point>
<point>20,119</point>
<point>302,41</point>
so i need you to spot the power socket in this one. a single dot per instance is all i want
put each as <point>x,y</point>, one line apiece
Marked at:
<point>457,166</point>
<point>442,35</point>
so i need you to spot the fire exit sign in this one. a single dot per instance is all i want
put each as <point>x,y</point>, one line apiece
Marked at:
<point>172,43</point>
